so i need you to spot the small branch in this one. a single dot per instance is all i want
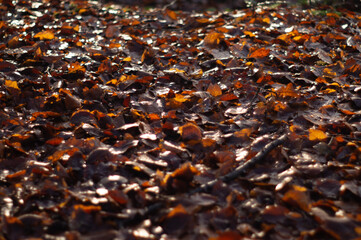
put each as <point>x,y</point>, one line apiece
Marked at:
<point>248,114</point>
<point>243,169</point>
<point>169,5</point>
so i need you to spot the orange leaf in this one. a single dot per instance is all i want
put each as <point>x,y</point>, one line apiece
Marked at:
<point>244,133</point>
<point>327,72</point>
<point>228,97</point>
<point>55,141</point>
<point>179,209</point>
<point>315,134</point>
<point>214,90</point>
<point>297,197</point>
<point>171,14</point>
<point>213,39</point>
<point>180,98</point>
<point>266,20</point>
<point>87,209</point>
<point>248,33</point>
<point>11,84</point>
<point>347,112</point>
<point>76,67</point>
<point>45,35</point>
<point>153,116</point>
<point>127,59</point>
<point>264,79</point>
<point>14,42</point>
<point>287,91</point>
<point>260,53</point>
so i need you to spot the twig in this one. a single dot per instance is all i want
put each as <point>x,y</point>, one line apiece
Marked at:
<point>243,169</point>
<point>169,5</point>
<point>248,114</point>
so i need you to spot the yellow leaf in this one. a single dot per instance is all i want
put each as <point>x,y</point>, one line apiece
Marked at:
<point>176,70</point>
<point>11,84</point>
<point>45,35</point>
<point>327,72</point>
<point>127,59</point>
<point>248,33</point>
<point>299,188</point>
<point>284,37</point>
<point>83,10</point>
<point>329,90</point>
<point>180,98</point>
<point>266,20</point>
<point>214,90</point>
<point>112,82</point>
<point>197,74</point>
<point>315,134</point>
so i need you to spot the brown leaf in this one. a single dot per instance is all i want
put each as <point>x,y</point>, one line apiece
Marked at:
<point>190,133</point>
<point>213,39</point>
<point>177,220</point>
<point>214,90</point>
<point>297,197</point>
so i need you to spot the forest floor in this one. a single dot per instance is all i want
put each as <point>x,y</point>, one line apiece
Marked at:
<point>132,123</point>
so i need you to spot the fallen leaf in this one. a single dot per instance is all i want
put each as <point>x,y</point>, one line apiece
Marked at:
<point>260,53</point>
<point>214,90</point>
<point>45,35</point>
<point>315,134</point>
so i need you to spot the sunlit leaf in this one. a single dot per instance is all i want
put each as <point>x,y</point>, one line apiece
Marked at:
<point>315,134</point>
<point>329,73</point>
<point>45,35</point>
<point>213,39</point>
<point>248,33</point>
<point>76,67</point>
<point>260,53</point>
<point>11,84</point>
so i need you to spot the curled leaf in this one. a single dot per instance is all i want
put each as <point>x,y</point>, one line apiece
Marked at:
<point>190,132</point>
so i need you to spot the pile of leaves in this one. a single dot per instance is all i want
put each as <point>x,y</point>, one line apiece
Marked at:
<point>113,118</point>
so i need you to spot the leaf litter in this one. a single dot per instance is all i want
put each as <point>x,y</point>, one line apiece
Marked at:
<point>125,123</point>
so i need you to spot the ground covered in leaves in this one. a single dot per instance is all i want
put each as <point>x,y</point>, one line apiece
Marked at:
<point>112,118</point>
